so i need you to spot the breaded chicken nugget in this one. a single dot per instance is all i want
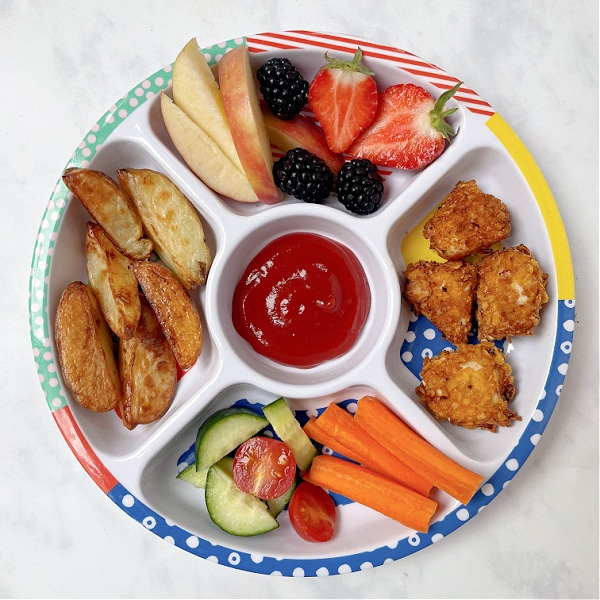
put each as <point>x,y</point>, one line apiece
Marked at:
<point>511,290</point>
<point>467,222</point>
<point>470,387</point>
<point>445,294</point>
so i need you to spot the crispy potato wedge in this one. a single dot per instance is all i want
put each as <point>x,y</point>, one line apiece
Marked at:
<point>113,281</point>
<point>171,222</point>
<point>110,206</point>
<point>85,349</point>
<point>174,309</point>
<point>148,372</point>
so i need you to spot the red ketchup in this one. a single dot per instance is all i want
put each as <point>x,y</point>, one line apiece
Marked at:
<point>302,300</point>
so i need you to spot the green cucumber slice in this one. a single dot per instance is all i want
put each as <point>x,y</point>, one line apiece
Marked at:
<point>276,505</point>
<point>223,432</point>
<point>288,430</point>
<point>191,475</point>
<point>234,511</point>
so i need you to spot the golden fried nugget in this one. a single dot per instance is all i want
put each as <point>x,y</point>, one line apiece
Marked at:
<point>445,294</point>
<point>467,222</point>
<point>470,387</point>
<point>511,290</point>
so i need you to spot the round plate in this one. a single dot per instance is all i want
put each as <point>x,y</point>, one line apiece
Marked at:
<point>137,469</point>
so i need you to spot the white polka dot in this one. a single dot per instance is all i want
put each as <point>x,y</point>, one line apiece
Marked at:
<point>257,558</point>
<point>170,539</point>
<point>512,464</point>
<point>436,537</point>
<point>429,334</point>
<point>366,565</point>
<point>414,540</point>
<point>563,368</point>
<point>345,568</point>
<point>407,357</point>
<point>234,558</point>
<point>427,352</point>
<point>535,438</point>
<point>569,325</point>
<point>462,514</point>
<point>322,572</point>
<point>192,542</point>
<point>558,390</point>
<point>128,500</point>
<point>538,416</point>
<point>566,347</point>
<point>298,572</point>
<point>149,522</point>
<point>410,336</point>
<point>487,489</point>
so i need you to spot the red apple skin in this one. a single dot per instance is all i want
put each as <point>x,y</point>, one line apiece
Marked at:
<point>242,109</point>
<point>301,132</point>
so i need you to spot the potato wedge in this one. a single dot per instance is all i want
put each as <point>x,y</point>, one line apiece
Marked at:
<point>85,349</point>
<point>171,222</point>
<point>110,206</point>
<point>174,309</point>
<point>113,281</point>
<point>148,372</point>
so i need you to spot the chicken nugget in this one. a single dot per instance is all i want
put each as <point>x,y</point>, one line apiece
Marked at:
<point>445,294</point>
<point>511,290</point>
<point>467,222</point>
<point>470,387</point>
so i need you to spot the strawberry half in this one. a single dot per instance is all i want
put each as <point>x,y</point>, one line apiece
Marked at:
<point>343,96</point>
<point>409,131</point>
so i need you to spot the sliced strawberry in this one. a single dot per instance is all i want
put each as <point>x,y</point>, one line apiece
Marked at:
<point>409,130</point>
<point>343,96</point>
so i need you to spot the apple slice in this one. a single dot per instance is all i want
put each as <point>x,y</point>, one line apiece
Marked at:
<point>246,123</point>
<point>203,155</point>
<point>301,132</point>
<point>197,93</point>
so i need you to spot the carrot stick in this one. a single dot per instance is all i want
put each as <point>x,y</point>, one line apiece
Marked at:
<point>339,425</point>
<point>371,489</point>
<point>317,434</point>
<point>395,435</point>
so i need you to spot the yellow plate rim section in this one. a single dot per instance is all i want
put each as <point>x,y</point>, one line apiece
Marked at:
<point>558,238</point>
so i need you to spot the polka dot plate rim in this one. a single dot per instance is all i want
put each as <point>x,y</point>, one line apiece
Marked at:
<point>164,449</point>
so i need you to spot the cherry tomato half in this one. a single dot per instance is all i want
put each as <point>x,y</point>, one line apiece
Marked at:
<point>264,467</point>
<point>312,513</point>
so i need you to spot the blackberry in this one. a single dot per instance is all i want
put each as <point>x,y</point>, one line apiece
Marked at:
<point>284,89</point>
<point>303,175</point>
<point>359,186</point>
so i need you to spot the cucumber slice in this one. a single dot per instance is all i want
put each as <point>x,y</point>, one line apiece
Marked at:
<point>288,430</point>
<point>223,432</point>
<point>276,505</point>
<point>234,511</point>
<point>192,475</point>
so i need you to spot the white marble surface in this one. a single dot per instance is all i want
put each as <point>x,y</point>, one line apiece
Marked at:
<point>64,63</point>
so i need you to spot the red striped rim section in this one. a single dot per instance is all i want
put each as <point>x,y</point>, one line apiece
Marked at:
<point>293,40</point>
<point>82,449</point>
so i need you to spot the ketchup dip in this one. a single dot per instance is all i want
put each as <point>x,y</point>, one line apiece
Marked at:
<point>302,300</point>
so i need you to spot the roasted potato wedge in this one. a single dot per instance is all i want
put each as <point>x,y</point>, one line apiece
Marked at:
<point>85,349</point>
<point>171,222</point>
<point>113,282</point>
<point>112,208</point>
<point>174,309</point>
<point>148,372</point>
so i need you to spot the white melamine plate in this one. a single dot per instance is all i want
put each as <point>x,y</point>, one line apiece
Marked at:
<point>137,469</point>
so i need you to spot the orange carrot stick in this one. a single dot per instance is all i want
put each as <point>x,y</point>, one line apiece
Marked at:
<point>339,425</point>
<point>371,489</point>
<point>317,434</point>
<point>443,472</point>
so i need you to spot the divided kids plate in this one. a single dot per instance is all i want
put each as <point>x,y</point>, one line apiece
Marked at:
<point>137,469</point>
